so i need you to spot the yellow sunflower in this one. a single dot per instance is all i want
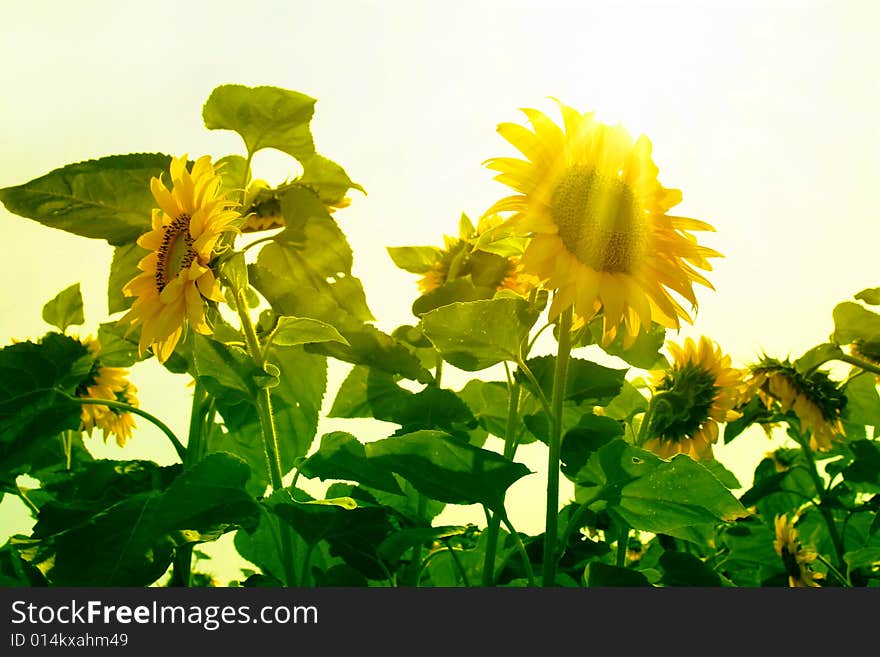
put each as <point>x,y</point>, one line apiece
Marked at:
<point>459,258</point>
<point>176,278</point>
<point>815,399</point>
<point>109,383</point>
<point>697,392</point>
<point>602,238</point>
<point>797,559</point>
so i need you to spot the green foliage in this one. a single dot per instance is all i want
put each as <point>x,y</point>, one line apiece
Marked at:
<point>447,470</point>
<point>65,309</point>
<point>475,335</point>
<point>588,383</point>
<point>265,117</point>
<point>132,541</point>
<point>108,198</point>
<point>415,259</point>
<point>854,322</point>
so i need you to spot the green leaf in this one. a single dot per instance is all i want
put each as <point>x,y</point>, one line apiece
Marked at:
<point>342,456</point>
<point>672,497</point>
<point>627,404</point>
<point>775,492</point>
<point>31,374</point>
<point>854,322</point>
<point>123,269</point>
<point>724,475</point>
<point>870,296</point>
<point>232,170</point>
<point>863,558</point>
<point>372,393</point>
<point>488,401</point>
<point>862,401</point>
<point>865,468</point>
<point>65,309</point>
<point>587,383</point>
<point>292,331</point>
<point>683,569</point>
<point>475,335</point>
<point>233,271</point>
<point>132,542</point>
<point>644,353</point>
<point>817,356</point>
<point>117,349</point>
<point>460,289</point>
<point>415,259</point>
<point>327,179</point>
<point>598,574</point>
<point>446,469</point>
<point>580,442</point>
<point>265,117</point>
<point>226,371</point>
<point>395,546</point>
<point>108,198</point>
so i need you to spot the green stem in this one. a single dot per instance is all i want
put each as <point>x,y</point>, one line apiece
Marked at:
<point>521,548</point>
<point>858,362</point>
<point>843,580</point>
<point>67,444</point>
<point>461,571</point>
<point>509,450</point>
<point>307,561</point>
<point>539,393</point>
<point>122,406</point>
<point>622,540</point>
<point>24,498</point>
<point>822,504</point>
<point>555,443</point>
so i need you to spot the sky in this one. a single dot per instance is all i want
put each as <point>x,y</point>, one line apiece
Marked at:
<point>764,114</point>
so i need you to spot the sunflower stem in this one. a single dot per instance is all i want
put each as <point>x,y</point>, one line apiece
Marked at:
<point>520,546</point>
<point>513,391</point>
<point>822,504</point>
<point>122,406</point>
<point>560,377</point>
<point>858,362</point>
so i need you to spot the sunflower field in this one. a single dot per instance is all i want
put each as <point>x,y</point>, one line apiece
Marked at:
<point>548,321</point>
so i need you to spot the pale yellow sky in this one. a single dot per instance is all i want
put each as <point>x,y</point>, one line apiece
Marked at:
<point>763,113</point>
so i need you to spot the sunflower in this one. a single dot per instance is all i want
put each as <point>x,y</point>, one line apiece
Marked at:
<point>602,238</point>
<point>107,383</point>
<point>797,559</point>
<point>816,400</point>
<point>176,277</point>
<point>459,258</point>
<point>697,392</point>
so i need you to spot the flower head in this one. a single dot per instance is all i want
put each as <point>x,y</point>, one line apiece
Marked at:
<point>110,383</point>
<point>815,399</point>
<point>690,398</point>
<point>797,559</point>
<point>602,239</point>
<point>176,279</point>
<point>460,258</point>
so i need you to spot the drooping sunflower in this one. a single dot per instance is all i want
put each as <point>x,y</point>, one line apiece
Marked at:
<point>110,383</point>
<point>815,399</point>
<point>796,557</point>
<point>459,258</point>
<point>690,398</point>
<point>176,278</point>
<point>602,236</point>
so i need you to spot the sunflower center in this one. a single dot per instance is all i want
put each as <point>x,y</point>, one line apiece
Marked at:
<point>600,220</point>
<point>175,252</point>
<point>688,393</point>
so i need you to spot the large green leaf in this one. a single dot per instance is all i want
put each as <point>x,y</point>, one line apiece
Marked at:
<point>117,348</point>
<point>123,268</point>
<point>598,574</point>
<point>870,296</point>
<point>306,272</point>
<point>65,309</point>
<point>477,334</point>
<point>292,331</point>
<point>33,380</point>
<point>132,542</point>
<point>327,179</point>
<point>446,469</point>
<point>862,401</point>
<point>372,393</point>
<point>587,383</point>
<point>488,401</point>
<point>265,117</point>
<point>415,259</point>
<point>672,497</point>
<point>227,372</point>
<point>462,289</point>
<point>854,322</point>
<point>644,352</point>
<point>108,198</point>
<point>342,456</point>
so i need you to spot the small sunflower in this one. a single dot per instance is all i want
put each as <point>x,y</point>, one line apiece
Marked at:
<point>109,383</point>
<point>602,238</point>
<point>263,207</point>
<point>797,559</point>
<point>815,399</point>
<point>459,258</point>
<point>176,278</point>
<point>697,392</point>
